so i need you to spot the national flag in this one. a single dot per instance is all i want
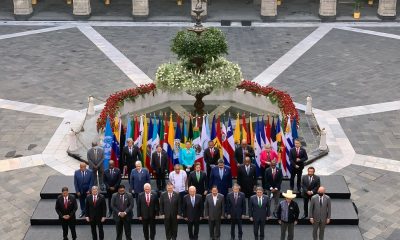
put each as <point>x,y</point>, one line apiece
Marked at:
<point>117,127</point>
<point>251,136</point>
<point>149,144</point>
<point>286,146</point>
<point>236,134</point>
<point>219,137</point>
<point>279,140</point>
<point>128,129</point>
<point>144,139</point>
<point>190,132</point>
<point>197,144</point>
<point>257,147</point>
<point>205,137</point>
<point>295,135</point>
<point>177,141</point>
<point>263,134</point>
<point>161,130</point>
<point>121,141</point>
<point>244,129</point>
<point>228,144</point>
<point>155,140</point>
<point>136,132</point>
<point>107,143</point>
<point>213,135</point>
<point>273,135</point>
<point>170,149</point>
<point>268,130</point>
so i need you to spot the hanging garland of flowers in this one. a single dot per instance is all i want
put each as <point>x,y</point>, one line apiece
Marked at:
<point>115,101</point>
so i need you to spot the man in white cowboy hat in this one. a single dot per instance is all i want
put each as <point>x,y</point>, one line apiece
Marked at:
<point>288,215</point>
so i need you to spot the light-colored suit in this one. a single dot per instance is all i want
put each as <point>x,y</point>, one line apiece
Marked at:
<point>95,157</point>
<point>320,214</point>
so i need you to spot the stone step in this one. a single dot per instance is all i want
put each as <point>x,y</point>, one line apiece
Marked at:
<point>343,213</point>
<point>301,232</point>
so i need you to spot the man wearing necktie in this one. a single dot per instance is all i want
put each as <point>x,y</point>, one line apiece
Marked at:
<point>159,163</point>
<point>83,182</point>
<point>221,177</point>
<point>112,179</point>
<point>139,177</point>
<point>214,212</point>
<point>95,212</point>
<point>273,181</point>
<point>247,177</point>
<point>236,210</point>
<point>147,210</point>
<point>130,155</point>
<point>66,207</point>
<point>297,158</point>
<point>122,204</point>
<point>192,206</point>
<point>259,212</point>
<point>211,156</point>
<point>199,179</point>
<point>243,151</point>
<point>95,157</point>
<point>170,209</point>
<point>309,187</point>
<point>320,213</point>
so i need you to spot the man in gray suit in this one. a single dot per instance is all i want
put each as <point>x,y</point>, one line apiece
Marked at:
<point>95,157</point>
<point>320,213</point>
<point>214,212</point>
<point>122,205</point>
<point>259,212</point>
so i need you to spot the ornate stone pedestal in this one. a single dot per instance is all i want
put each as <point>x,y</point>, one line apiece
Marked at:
<point>268,10</point>
<point>387,9</point>
<point>81,8</point>
<point>140,9</point>
<point>22,9</point>
<point>327,10</point>
<point>204,7</point>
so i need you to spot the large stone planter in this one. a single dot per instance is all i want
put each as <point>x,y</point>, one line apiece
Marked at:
<point>22,9</point>
<point>268,10</point>
<point>81,8</point>
<point>140,9</point>
<point>327,10</point>
<point>387,9</point>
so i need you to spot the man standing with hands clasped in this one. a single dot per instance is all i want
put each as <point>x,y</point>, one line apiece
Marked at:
<point>320,213</point>
<point>147,211</point>
<point>214,212</point>
<point>95,212</point>
<point>236,209</point>
<point>297,157</point>
<point>122,205</point>
<point>288,215</point>
<point>309,187</point>
<point>259,212</point>
<point>170,208</point>
<point>66,207</point>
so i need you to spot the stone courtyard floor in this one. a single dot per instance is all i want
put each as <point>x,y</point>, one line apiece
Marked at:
<point>48,69</point>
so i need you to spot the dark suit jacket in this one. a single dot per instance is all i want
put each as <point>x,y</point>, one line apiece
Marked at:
<point>270,181</point>
<point>236,210</point>
<point>82,185</point>
<point>222,184</point>
<point>201,185</point>
<point>127,207</point>
<point>139,179</point>
<point>170,208</point>
<point>257,212</point>
<point>130,159</point>
<point>211,159</point>
<point>155,161</point>
<point>148,212</point>
<point>292,158</point>
<point>93,161</point>
<point>217,211</point>
<point>95,212</point>
<point>307,186</point>
<point>190,212</point>
<point>293,214</point>
<point>247,182</point>
<point>71,207</point>
<point>113,180</point>
<point>239,154</point>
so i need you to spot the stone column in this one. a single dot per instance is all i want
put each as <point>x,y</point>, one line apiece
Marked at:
<point>22,9</point>
<point>268,10</point>
<point>327,10</point>
<point>204,6</point>
<point>140,8</point>
<point>81,8</point>
<point>387,9</point>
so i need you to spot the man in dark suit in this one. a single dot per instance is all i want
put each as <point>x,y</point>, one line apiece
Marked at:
<point>95,157</point>
<point>211,156</point>
<point>273,181</point>
<point>259,212</point>
<point>192,212</point>
<point>247,178</point>
<point>95,212</point>
<point>170,208</point>
<point>221,177</point>
<point>159,163</point>
<point>214,212</point>
<point>309,187</point>
<point>130,154</point>
<point>288,215</point>
<point>199,179</point>
<point>122,205</point>
<point>243,151</point>
<point>83,182</point>
<point>236,209</point>
<point>139,177</point>
<point>66,207</point>
<point>297,157</point>
<point>147,210</point>
<point>112,179</point>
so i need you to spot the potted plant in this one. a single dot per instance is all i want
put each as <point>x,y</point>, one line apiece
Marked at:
<point>357,13</point>
<point>278,2</point>
<point>370,2</point>
<point>179,2</point>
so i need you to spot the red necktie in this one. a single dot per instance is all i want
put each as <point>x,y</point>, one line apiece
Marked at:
<point>148,200</point>
<point>94,201</point>
<point>298,152</point>
<point>273,173</point>
<point>212,152</point>
<point>65,203</point>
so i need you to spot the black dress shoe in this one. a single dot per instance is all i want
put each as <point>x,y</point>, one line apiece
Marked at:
<point>81,215</point>
<point>304,217</point>
<point>109,215</point>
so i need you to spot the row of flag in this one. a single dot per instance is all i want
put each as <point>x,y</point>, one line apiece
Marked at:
<point>149,132</point>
